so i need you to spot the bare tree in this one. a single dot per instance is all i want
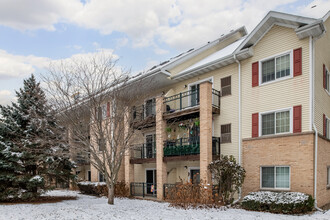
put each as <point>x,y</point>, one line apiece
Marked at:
<point>94,98</point>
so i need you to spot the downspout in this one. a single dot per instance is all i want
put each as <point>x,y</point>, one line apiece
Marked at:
<point>312,87</point>
<point>239,122</point>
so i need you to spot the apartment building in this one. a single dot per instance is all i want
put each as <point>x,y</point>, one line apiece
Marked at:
<point>263,97</point>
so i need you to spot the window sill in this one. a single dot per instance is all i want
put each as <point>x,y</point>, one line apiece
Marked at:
<point>276,190</point>
<point>276,80</point>
<point>327,92</point>
<point>228,95</point>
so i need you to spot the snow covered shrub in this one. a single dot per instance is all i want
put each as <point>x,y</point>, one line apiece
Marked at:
<point>100,189</point>
<point>278,202</point>
<point>228,175</point>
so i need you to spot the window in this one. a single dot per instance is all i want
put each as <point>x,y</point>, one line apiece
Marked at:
<point>226,86</point>
<point>89,175</point>
<point>277,177</point>
<point>275,122</point>
<point>101,144</point>
<point>276,68</point>
<point>226,133</point>
<point>101,177</point>
<point>102,112</point>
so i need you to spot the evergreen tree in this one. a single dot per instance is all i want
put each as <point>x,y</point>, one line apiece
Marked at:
<point>32,145</point>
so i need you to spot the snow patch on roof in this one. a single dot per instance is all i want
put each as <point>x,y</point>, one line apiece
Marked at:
<point>217,55</point>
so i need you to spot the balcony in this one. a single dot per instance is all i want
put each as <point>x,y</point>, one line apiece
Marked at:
<point>187,103</point>
<point>143,153</point>
<point>144,116</point>
<point>188,148</point>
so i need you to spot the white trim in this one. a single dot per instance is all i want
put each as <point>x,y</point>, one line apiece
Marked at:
<point>328,176</point>
<point>276,111</point>
<point>328,83</point>
<point>275,188</point>
<point>290,52</point>
<point>311,82</point>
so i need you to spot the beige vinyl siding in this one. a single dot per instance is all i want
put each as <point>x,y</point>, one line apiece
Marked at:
<point>140,171</point>
<point>322,98</point>
<point>281,94</point>
<point>229,104</point>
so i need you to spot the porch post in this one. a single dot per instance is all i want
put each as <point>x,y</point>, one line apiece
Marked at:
<point>205,130</point>
<point>128,167</point>
<point>161,166</point>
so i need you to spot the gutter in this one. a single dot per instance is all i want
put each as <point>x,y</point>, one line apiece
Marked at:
<point>239,122</point>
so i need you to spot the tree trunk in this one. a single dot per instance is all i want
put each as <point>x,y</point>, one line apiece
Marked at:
<point>111,194</point>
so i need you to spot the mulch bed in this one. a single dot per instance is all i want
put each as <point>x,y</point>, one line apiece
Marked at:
<point>40,200</point>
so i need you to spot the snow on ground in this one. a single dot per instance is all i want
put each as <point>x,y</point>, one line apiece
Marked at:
<point>90,207</point>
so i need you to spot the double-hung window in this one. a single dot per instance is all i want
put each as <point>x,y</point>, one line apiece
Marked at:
<point>327,128</point>
<point>276,67</point>
<point>276,122</point>
<point>275,177</point>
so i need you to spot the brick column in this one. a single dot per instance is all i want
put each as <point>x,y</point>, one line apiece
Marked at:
<point>205,94</point>
<point>160,138</point>
<point>128,167</point>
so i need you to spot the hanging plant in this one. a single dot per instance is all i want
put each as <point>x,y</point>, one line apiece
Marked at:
<point>168,129</point>
<point>182,126</point>
<point>197,122</point>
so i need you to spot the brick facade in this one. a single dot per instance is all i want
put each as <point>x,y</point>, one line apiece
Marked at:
<point>296,151</point>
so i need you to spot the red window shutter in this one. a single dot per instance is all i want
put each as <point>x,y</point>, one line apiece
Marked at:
<point>255,74</point>
<point>324,125</point>
<point>297,62</point>
<point>255,125</point>
<point>324,77</point>
<point>297,119</point>
<point>108,109</point>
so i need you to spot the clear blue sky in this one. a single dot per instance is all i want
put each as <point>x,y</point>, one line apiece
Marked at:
<point>140,33</point>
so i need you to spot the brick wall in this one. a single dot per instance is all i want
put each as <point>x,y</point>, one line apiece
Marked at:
<point>296,151</point>
<point>323,193</point>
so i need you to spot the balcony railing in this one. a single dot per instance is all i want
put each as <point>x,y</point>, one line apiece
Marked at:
<point>182,101</point>
<point>189,99</point>
<point>143,189</point>
<point>188,146</point>
<point>216,98</point>
<point>144,151</point>
<point>142,112</point>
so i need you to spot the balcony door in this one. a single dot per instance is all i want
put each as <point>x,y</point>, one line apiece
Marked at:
<point>151,180</point>
<point>150,107</point>
<point>150,143</point>
<point>194,97</point>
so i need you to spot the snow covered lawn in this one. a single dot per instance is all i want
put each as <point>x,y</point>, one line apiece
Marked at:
<point>90,207</point>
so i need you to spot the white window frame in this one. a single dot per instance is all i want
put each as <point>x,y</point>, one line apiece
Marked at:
<point>199,82</point>
<point>290,52</point>
<point>275,188</point>
<point>327,127</point>
<point>276,111</point>
<point>327,72</point>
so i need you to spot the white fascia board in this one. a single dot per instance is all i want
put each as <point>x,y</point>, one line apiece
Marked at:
<point>275,15</point>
